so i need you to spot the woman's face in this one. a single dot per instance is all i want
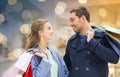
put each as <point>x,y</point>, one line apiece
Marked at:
<point>47,32</point>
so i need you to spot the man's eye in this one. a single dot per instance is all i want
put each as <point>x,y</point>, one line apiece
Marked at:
<point>49,28</point>
<point>71,20</point>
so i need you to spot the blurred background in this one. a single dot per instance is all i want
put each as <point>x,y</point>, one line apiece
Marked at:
<point>16,17</point>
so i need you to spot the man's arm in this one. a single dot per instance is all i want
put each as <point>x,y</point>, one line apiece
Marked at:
<point>103,50</point>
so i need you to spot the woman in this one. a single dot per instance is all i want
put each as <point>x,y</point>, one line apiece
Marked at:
<point>47,62</point>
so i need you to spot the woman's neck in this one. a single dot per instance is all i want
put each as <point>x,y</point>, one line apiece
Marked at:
<point>43,45</point>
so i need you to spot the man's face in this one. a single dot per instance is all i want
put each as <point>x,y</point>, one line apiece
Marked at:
<point>75,22</point>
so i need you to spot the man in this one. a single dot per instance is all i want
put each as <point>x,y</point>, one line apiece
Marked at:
<point>88,51</point>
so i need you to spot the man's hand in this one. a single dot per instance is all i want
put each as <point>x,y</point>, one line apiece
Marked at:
<point>90,34</point>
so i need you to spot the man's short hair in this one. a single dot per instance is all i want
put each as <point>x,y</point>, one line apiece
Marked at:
<point>81,11</point>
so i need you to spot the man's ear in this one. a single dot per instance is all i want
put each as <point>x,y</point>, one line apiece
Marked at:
<point>83,18</point>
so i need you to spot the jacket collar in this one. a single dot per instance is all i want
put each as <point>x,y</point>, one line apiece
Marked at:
<point>76,44</point>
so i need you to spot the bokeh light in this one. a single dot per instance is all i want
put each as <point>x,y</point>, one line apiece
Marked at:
<point>2,18</point>
<point>25,29</point>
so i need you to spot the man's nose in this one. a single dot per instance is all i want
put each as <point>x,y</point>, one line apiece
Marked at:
<point>71,24</point>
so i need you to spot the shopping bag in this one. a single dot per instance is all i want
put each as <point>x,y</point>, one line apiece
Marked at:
<point>13,72</point>
<point>23,61</point>
<point>28,72</point>
<point>114,44</point>
<point>113,32</point>
<point>20,66</point>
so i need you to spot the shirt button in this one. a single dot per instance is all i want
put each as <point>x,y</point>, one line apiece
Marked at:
<point>88,52</point>
<point>87,69</point>
<point>76,68</point>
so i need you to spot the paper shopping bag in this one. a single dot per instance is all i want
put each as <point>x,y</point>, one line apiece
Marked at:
<point>13,72</point>
<point>114,44</point>
<point>113,32</point>
<point>23,61</point>
<point>28,72</point>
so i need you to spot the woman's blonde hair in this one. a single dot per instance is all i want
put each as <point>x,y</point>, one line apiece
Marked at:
<point>33,37</point>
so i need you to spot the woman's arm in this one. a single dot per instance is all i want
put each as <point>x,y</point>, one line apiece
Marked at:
<point>40,67</point>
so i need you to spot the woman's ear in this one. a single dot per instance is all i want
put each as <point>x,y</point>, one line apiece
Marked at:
<point>40,33</point>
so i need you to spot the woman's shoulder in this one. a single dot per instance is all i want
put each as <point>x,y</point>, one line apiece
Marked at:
<point>53,49</point>
<point>31,51</point>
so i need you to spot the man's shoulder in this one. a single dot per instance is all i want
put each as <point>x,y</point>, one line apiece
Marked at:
<point>98,31</point>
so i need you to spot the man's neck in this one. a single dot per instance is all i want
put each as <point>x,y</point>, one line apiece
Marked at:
<point>85,29</point>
